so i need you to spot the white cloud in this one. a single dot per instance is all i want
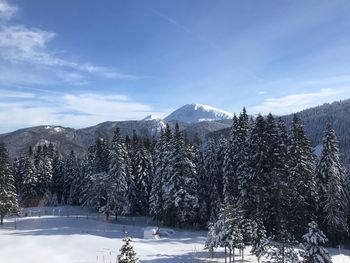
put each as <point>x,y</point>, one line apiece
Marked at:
<point>6,10</point>
<point>15,94</point>
<point>20,44</point>
<point>297,102</point>
<point>72,110</point>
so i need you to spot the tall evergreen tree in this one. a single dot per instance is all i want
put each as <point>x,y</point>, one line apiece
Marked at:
<point>179,188</point>
<point>256,187</point>
<point>277,174</point>
<point>29,195</point>
<point>43,174</point>
<point>118,171</point>
<point>19,171</point>
<point>72,180</point>
<point>162,161</point>
<point>230,180</point>
<point>333,203</point>
<point>220,157</point>
<point>8,197</point>
<point>301,179</point>
<point>210,181</point>
<point>57,187</point>
<point>142,172</point>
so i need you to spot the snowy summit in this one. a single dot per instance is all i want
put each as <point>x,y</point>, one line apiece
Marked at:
<point>192,113</point>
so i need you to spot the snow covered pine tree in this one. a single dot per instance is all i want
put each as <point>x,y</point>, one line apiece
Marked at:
<point>8,197</point>
<point>313,251</point>
<point>128,254</point>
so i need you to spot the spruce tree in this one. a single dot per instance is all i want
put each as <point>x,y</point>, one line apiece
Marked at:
<point>8,197</point>
<point>256,201</point>
<point>210,181</point>
<point>19,173</point>
<point>229,167</point>
<point>57,187</point>
<point>117,176</point>
<point>142,169</point>
<point>301,179</point>
<point>312,249</point>
<point>127,253</point>
<point>281,248</point>
<point>73,180</point>
<point>277,174</point>
<point>331,187</point>
<point>161,164</point>
<point>43,171</point>
<point>179,188</point>
<point>29,195</point>
<point>220,157</point>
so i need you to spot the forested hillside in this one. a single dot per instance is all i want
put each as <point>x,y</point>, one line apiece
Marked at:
<point>264,171</point>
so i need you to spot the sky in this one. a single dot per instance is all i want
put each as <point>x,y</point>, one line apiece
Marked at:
<point>78,63</point>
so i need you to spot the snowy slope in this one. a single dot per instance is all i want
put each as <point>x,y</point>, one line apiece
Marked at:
<point>193,113</point>
<point>74,235</point>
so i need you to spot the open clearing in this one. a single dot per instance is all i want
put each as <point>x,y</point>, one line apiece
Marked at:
<point>72,235</point>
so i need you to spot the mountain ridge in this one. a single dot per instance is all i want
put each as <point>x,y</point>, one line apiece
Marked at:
<point>67,139</point>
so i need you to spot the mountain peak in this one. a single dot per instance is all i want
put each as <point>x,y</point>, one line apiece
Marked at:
<point>193,113</point>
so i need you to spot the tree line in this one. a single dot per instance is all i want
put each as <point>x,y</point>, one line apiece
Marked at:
<point>264,174</point>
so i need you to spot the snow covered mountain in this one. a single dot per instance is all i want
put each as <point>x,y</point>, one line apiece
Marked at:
<point>196,121</point>
<point>193,113</point>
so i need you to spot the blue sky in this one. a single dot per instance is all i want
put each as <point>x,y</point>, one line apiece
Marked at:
<point>78,63</point>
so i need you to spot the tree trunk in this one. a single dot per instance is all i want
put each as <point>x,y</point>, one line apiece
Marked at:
<point>225,255</point>
<point>2,219</point>
<point>242,254</point>
<point>233,255</point>
<point>116,216</point>
<point>230,256</point>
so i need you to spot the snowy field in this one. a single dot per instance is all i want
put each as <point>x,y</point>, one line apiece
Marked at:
<point>72,235</point>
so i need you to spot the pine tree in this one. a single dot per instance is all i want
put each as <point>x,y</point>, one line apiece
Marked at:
<point>43,169</point>
<point>312,249</point>
<point>117,176</point>
<point>127,253</point>
<point>179,188</point>
<point>142,170</point>
<point>331,188</point>
<point>161,163</point>
<point>209,181</point>
<point>257,201</point>
<point>220,157</point>
<point>88,197</point>
<point>29,195</point>
<point>101,156</point>
<point>301,179</point>
<point>72,183</point>
<point>258,239</point>
<point>203,214</point>
<point>277,174</point>
<point>281,248</point>
<point>8,197</point>
<point>57,177</point>
<point>230,166</point>
<point>19,173</point>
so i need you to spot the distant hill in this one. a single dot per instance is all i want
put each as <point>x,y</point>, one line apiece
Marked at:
<point>202,122</point>
<point>314,120</point>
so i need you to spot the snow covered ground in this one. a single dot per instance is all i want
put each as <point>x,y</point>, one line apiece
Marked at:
<point>72,235</point>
